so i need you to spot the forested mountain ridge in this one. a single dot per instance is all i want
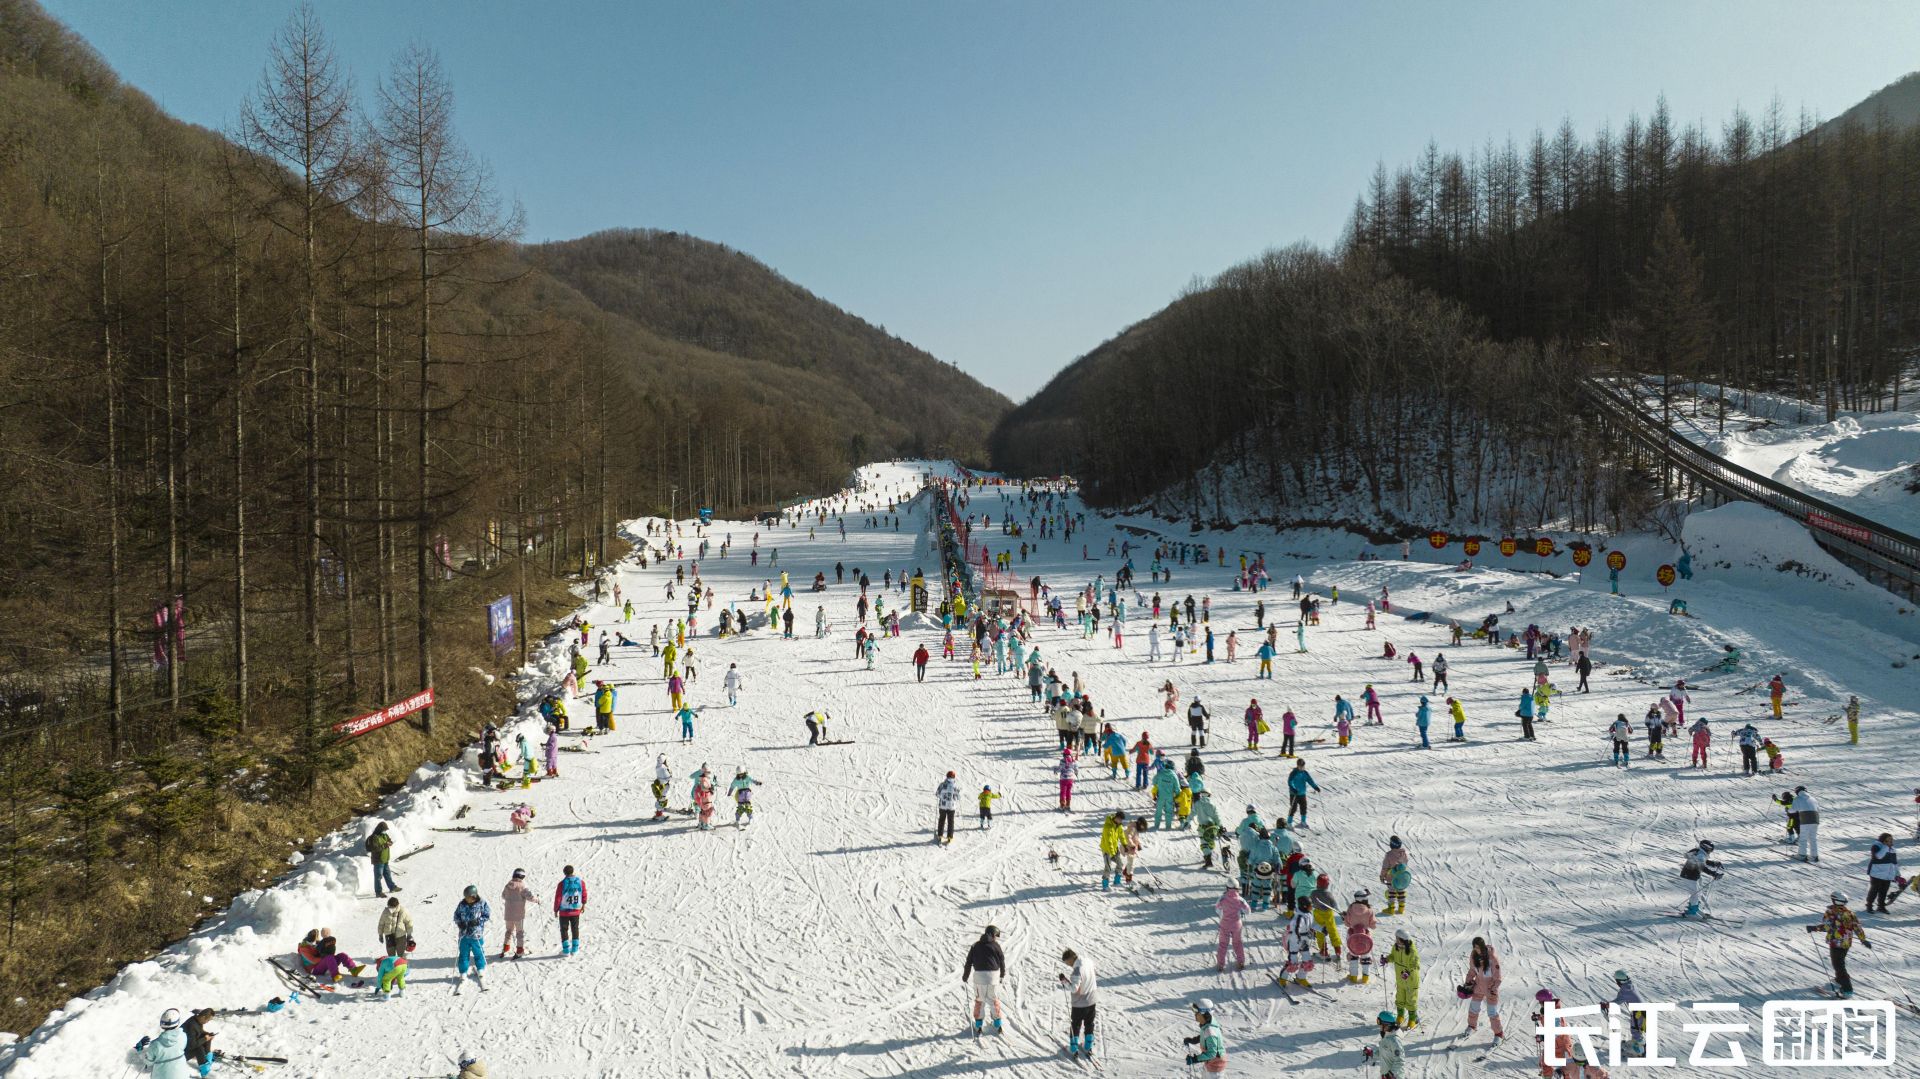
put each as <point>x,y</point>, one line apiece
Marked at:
<point>1769,254</point>
<point>1898,102</point>
<point>708,295</point>
<point>273,437</point>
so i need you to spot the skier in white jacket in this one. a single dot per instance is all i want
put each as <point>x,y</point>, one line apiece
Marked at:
<point>1807,813</point>
<point>1079,982</point>
<point>1699,870</point>
<point>947,797</point>
<point>732,683</point>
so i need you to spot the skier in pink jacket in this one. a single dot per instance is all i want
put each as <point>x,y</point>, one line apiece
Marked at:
<point>1232,906</point>
<point>513,908</point>
<point>1680,698</point>
<point>1483,986</point>
<point>1359,921</point>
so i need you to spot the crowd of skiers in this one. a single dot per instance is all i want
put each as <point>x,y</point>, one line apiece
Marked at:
<point>1268,867</point>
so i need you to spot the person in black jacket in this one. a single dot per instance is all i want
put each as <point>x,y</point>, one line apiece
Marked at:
<point>986,965</point>
<point>1883,868</point>
<point>199,1039</point>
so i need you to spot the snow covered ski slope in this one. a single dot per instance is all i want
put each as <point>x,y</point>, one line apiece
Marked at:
<point>826,938</point>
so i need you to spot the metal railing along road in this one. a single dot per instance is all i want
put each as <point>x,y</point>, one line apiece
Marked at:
<point>1860,541</point>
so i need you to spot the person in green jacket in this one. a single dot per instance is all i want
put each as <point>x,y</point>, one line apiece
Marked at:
<point>380,849</point>
<point>1301,884</point>
<point>1405,961</point>
<point>1387,1054</point>
<point>1210,1045</point>
<point>1209,822</point>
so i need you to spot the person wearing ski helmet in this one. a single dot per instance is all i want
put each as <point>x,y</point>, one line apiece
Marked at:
<point>1397,875</point>
<point>1387,1054</point>
<point>1209,1045</point>
<point>1209,826</point>
<point>1699,870</point>
<point>513,909</point>
<point>1806,813</point>
<point>1359,920</point>
<point>1404,958</point>
<point>1842,927</point>
<point>165,1053</point>
<point>986,964</point>
<point>1326,932</point>
<point>1624,997</point>
<point>471,916</point>
<point>1883,870</point>
<point>1482,987</point>
<point>471,1067</point>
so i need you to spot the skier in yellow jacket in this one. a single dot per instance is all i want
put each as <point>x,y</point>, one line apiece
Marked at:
<point>1405,961</point>
<point>1113,842</point>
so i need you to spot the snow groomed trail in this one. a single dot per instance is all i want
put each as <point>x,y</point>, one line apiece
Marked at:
<point>827,937</point>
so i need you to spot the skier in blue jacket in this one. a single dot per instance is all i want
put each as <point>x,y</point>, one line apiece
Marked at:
<point>1166,784</point>
<point>1114,747</point>
<point>1244,833</point>
<point>471,915</point>
<point>1525,712</point>
<point>1258,849</point>
<point>1422,716</point>
<point>1298,781</point>
<point>165,1054</point>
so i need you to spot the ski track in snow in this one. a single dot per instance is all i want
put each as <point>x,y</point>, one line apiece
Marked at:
<point>826,938</point>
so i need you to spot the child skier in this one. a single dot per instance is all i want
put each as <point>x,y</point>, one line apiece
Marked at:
<point>1299,943</point>
<point>741,790</point>
<point>393,976</point>
<point>1360,921</point>
<point>1210,829</point>
<point>1210,1045</point>
<point>1326,933</point>
<point>513,908</point>
<point>1621,732</point>
<point>703,802</point>
<point>1395,874</point>
<point>662,779</point>
<point>1404,958</point>
<point>1232,906</point>
<point>987,798</point>
<point>569,903</point>
<point>470,917</point>
<point>1387,1054</point>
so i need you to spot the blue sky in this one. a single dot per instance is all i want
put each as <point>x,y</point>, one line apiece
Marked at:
<point>1009,184</point>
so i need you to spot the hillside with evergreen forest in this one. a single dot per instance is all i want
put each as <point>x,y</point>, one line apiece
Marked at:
<point>1770,253</point>
<point>282,409</point>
